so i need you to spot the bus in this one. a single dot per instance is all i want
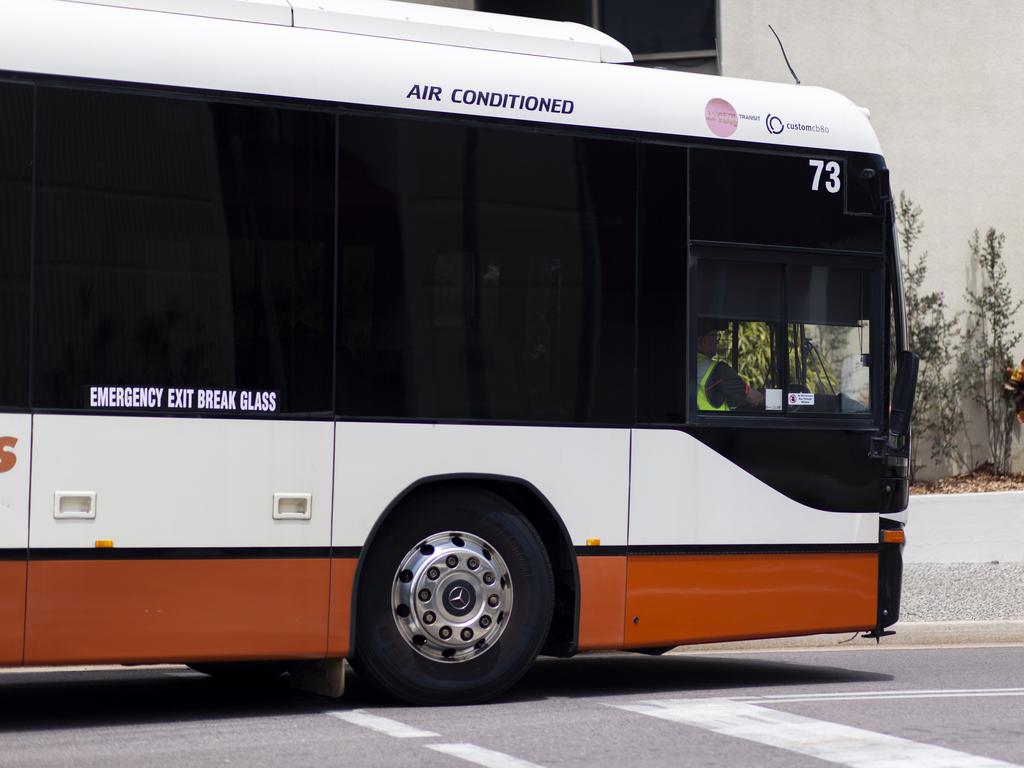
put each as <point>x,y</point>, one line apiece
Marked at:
<point>431,340</point>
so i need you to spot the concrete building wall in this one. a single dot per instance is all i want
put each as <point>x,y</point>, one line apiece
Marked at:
<point>944,81</point>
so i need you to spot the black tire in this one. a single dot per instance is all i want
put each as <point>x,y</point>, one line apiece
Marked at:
<point>390,662</point>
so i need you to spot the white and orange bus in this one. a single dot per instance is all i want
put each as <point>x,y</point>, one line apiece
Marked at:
<point>378,331</point>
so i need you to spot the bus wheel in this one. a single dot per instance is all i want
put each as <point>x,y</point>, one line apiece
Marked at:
<point>455,599</point>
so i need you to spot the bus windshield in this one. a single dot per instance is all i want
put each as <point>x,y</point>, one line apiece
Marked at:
<point>785,338</point>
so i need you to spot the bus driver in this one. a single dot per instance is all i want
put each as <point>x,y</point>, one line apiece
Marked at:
<point>719,387</point>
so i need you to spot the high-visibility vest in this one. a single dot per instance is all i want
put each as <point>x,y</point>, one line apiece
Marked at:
<point>705,365</point>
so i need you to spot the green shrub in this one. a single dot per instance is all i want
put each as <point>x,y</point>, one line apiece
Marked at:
<point>987,345</point>
<point>938,419</point>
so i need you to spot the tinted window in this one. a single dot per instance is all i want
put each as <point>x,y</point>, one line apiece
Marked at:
<point>739,313</point>
<point>747,197</point>
<point>792,338</point>
<point>829,311</point>
<point>740,290</point>
<point>661,309</point>
<point>15,240</point>
<point>183,244</point>
<point>485,273</point>
<point>655,26</point>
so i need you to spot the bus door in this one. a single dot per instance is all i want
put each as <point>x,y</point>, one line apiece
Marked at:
<point>182,363</point>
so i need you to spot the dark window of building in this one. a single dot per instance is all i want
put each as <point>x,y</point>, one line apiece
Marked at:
<point>183,244</point>
<point>661,339</point>
<point>579,11</point>
<point>15,241</point>
<point>485,273</point>
<point>656,26</point>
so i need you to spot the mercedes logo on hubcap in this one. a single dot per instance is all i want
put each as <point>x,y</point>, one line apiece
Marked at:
<point>459,598</point>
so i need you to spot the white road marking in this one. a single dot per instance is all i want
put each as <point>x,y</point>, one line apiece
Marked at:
<point>893,645</point>
<point>951,693</point>
<point>488,758</point>
<point>836,743</point>
<point>383,725</point>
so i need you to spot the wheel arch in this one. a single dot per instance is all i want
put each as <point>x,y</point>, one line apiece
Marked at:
<point>563,635</point>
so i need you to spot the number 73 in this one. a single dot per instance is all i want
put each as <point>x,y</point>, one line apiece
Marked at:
<point>831,168</point>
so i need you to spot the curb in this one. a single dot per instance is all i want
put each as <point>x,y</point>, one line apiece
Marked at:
<point>909,634</point>
<point>965,528</point>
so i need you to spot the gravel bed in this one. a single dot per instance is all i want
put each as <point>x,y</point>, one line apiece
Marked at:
<point>962,592</point>
<point>981,480</point>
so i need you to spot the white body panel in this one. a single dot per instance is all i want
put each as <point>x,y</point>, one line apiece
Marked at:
<point>181,482</point>
<point>125,45</point>
<point>453,26</point>
<point>14,491</point>
<point>583,473</point>
<point>682,492</point>
<point>259,11</point>
<point>406,21</point>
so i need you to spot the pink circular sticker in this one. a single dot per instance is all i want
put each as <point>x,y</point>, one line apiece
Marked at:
<point>721,118</point>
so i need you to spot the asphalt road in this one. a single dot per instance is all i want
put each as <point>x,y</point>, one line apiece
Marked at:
<point>881,708</point>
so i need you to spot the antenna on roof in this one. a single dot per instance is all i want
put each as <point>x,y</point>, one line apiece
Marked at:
<point>782,47</point>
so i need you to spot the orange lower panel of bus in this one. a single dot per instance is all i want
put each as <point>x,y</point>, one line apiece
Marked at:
<point>12,612</point>
<point>602,602</point>
<point>179,610</point>
<point>206,610</point>
<point>671,600</point>
<point>343,576</point>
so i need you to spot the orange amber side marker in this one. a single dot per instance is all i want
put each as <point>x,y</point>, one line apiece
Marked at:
<point>894,537</point>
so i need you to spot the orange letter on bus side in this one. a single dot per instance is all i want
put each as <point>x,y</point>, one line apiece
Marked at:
<point>7,457</point>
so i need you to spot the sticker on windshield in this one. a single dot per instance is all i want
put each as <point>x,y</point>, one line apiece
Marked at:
<point>801,398</point>
<point>773,399</point>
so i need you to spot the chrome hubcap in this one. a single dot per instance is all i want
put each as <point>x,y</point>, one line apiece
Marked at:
<point>452,597</point>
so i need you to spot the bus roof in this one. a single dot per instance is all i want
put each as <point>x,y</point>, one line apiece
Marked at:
<point>432,59</point>
<point>407,21</point>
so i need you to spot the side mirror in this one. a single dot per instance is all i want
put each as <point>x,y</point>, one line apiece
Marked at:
<point>902,398</point>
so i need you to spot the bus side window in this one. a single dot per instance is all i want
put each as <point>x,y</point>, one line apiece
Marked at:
<point>661,305</point>
<point>495,274</point>
<point>15,231</point>
<point>182,243</point>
